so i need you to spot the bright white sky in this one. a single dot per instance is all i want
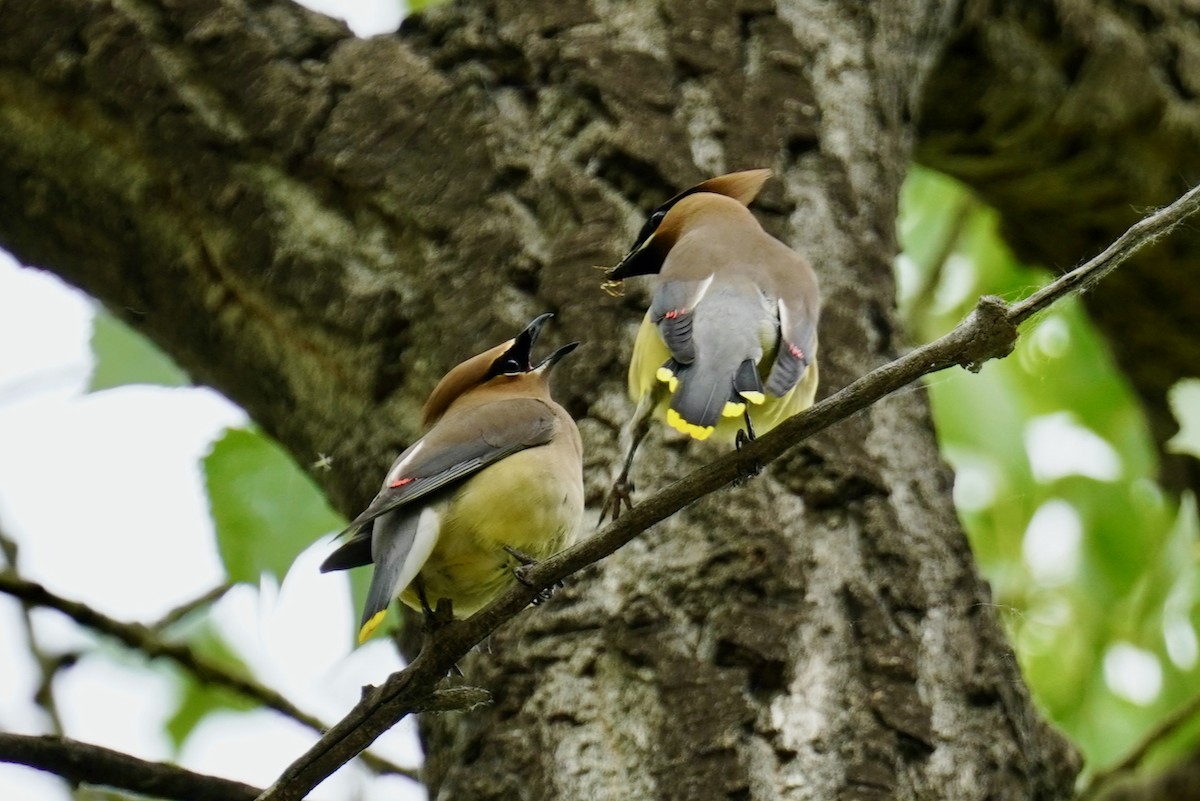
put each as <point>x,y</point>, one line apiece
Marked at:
<point>104,494</point>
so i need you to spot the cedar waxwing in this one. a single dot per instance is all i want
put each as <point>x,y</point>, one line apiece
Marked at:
<point>732,324</point>
<point>495,482</point>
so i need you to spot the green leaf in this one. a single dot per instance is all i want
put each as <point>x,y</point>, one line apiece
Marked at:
<point>416,6</point>
<point>196,702</point>
<point>199,699</point>
<point>123,356</point>
<point>266,511</point>
<point>1184,398</point>
<point>1136,577</point>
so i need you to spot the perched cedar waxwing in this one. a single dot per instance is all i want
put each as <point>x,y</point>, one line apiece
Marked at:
<point>732,325</point>
<point>495,482</point>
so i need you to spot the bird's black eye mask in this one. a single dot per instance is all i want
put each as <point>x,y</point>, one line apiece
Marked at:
<point>649,228</point>
<point>519,356</point>
<point>508,364</point>
<point>657,217</point>
<point>634,262</point>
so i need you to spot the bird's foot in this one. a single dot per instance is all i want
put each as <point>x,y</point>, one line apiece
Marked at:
<point>520,571</point>
<point>439,617</point>
<point>621,494</point>
<point>434,618</point>
<point>743,439</point>
<point>444,612</point>
<point>544,595</point>
<point>525,559</point>
<point>426,609</point>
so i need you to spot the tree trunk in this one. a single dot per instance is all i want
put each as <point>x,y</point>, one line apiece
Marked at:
<point>319,226</point>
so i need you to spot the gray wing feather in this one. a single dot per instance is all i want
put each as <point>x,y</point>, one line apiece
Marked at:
<point>797,347</point>
<point>460,446</point>
<point>672,310</point>
<point>389,552</point>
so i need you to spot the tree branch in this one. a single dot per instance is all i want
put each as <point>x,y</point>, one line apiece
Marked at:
<point>141,638</point>
<point>1145,231</point>
<point>47,666</point>
<point>183,610</point>
<point>1102,779</point>
<point>90,764</point>
<point>989,332</point>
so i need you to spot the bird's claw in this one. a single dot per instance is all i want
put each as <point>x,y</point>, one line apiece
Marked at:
<point>434,618</point>
<point>742,440</point>
<point>543,595</point>
<point>443,614</point>
<point>519,572</point>
<point>525,559</point>
<point>620,495</point>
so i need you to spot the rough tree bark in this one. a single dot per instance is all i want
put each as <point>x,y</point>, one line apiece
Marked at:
<point>319,226</point>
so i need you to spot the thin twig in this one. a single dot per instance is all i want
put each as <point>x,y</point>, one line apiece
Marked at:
<point>1145,231</point>
<point>142,638</point>
<point>183,610</point>
<point>989,332</point>
<point>1102,779</point>
<point>84,763</point>
<point>48,666</point>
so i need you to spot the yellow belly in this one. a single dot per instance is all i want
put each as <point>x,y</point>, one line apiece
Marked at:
<point>520,502</point>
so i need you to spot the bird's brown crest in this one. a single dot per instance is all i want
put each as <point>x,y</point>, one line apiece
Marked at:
<point>699,209</point>
<point>742,186</point>
<point>659,233</point>
<point>465,376</point>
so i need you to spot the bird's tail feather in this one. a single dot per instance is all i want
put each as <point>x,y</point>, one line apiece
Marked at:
<point>699,401</point>
<point>390,553</point>
<point>354,552</point>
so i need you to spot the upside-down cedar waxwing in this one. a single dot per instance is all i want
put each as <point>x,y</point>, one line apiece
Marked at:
<point>495,482</point>
<point>732,324</point>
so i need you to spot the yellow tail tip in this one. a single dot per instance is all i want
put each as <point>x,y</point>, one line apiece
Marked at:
<point>732,409</point>
<point>667,377</point>
<point>676,421</point>
<point>757,398</point>
<point>369,627</point>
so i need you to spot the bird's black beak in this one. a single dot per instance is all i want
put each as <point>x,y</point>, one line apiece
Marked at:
<point>521,352</point>
<point>641,258</point>
<point>522,348</point>
<point>639,261</point>
<point>553,358</point>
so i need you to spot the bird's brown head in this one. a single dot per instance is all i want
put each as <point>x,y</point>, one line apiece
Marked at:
<point>662,228</point>
<point>511,360</point>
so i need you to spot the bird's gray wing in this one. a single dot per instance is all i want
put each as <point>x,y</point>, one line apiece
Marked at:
<point>796,350</point>
<point>672,310</point>
<point>453,450</point>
